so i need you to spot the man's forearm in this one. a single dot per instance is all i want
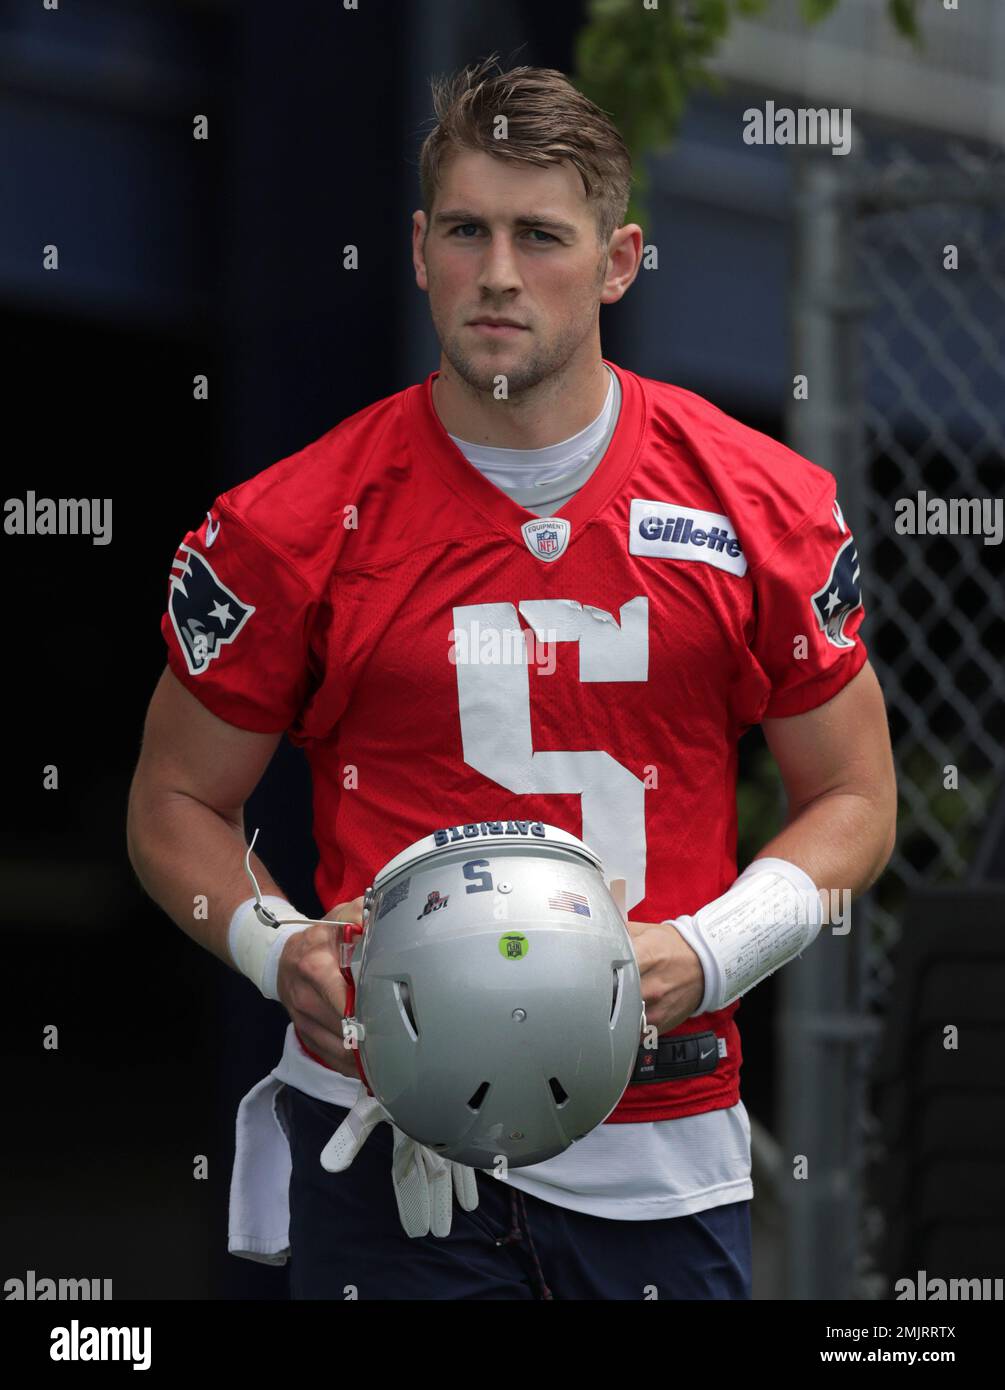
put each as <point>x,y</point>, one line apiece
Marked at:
<point>190,860</point>
<point>842,840</point>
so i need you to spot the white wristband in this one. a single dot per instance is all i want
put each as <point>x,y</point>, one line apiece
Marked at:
<point>255,948</point>
<point>769,915</point>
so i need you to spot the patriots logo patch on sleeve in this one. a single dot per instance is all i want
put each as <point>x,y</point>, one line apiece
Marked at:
<point>835,602</point>
<point>205,614</point>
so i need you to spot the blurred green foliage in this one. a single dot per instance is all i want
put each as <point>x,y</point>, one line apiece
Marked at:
<point>942,815</point>
<point>939,828</point>
<point>641,64</point>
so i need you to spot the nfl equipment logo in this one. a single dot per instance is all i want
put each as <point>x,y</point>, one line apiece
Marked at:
<point>548,537</point>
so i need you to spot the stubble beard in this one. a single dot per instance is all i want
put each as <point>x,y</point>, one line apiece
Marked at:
<point>543,361</point>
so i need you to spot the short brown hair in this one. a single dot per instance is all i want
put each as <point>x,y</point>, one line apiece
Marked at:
<point>548,120</point>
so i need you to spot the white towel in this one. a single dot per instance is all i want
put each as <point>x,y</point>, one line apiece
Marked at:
<point>259,1187</point>
<point>259,1225</point>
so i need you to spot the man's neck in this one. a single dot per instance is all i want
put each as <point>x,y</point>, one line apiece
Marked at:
<point>548,414</point>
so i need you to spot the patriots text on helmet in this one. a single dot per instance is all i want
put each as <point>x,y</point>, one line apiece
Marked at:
<point>453,833</point>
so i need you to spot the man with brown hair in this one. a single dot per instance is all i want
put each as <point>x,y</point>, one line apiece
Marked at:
<point>688,578</point>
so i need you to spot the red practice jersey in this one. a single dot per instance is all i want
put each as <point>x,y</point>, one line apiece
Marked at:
<point>443,656</point>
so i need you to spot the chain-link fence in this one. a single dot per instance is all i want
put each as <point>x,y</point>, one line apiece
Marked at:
<point>898,316</point>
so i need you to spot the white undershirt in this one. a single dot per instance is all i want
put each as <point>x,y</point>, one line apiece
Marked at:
<point>532,473</point>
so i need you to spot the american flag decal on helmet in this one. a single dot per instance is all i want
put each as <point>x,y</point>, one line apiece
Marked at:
<point>565,901</point>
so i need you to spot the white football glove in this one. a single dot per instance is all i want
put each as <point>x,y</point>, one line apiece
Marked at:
<point>424,1183</point>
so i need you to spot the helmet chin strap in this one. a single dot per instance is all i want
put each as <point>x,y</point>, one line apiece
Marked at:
<point>269,918</point>
<point>346,937</point>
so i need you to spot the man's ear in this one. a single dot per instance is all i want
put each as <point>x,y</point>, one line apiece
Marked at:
<point>419,226</point>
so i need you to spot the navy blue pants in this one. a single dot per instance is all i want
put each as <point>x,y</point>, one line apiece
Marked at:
<point>347,1241</point>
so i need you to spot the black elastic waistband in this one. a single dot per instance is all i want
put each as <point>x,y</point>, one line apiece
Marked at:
<point>694,1055</point>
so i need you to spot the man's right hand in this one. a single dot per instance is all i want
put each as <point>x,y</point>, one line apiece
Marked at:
<point>313,992</point>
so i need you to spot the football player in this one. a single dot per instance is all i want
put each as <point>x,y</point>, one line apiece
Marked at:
<point>535,585</point>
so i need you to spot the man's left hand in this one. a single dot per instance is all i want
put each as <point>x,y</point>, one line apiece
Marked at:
<point>673,982</point>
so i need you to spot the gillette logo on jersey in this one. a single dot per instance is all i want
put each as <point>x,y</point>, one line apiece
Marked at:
<point>684,533</point>
<point>670,591</point>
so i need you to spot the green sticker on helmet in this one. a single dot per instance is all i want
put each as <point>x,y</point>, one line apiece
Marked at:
<point>513,946</point>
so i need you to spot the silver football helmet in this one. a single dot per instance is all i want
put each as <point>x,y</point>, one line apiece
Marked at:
<point>498,1007</point>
